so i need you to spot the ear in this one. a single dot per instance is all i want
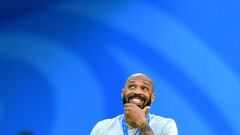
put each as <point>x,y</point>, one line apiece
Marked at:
<point>122,93</point>
<point>152,97</point>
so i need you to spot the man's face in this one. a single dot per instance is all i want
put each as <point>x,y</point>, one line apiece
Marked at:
<point>138,90</point>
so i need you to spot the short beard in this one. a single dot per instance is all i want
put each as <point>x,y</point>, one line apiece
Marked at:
<point>147,104</point>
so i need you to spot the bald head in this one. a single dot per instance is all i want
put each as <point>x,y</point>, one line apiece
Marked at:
<point>141,76</point>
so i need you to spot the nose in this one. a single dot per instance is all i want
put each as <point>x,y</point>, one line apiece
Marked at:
<point>138,91</point>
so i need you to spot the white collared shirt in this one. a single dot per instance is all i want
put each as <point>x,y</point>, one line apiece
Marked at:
<point>159,125</point>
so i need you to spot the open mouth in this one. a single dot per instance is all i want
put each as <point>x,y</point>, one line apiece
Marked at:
<point>138,100</point>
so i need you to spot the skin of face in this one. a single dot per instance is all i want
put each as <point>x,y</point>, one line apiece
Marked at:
<point>138,90</point>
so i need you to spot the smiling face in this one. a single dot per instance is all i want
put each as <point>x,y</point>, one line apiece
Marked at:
<point>138,90</point>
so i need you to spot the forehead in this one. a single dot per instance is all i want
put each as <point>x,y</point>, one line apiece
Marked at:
<point>139,78</point>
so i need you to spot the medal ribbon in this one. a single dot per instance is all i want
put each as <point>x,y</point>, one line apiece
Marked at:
<point>125,128</point>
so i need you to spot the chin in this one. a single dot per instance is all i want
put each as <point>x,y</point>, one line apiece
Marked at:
<point>140,106</point>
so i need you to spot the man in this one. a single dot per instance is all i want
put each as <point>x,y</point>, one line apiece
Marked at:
<point>137,96</point>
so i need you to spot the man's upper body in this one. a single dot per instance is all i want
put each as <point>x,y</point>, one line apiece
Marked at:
<point>159,125</point>
<point>137,96</point>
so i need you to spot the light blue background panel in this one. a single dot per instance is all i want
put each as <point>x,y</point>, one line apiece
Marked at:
<point>63,64</point>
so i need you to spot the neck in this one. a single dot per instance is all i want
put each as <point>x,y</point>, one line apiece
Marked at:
<point>133,124</point>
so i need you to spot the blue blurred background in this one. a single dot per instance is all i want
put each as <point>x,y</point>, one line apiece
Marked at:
<point>63,63</point>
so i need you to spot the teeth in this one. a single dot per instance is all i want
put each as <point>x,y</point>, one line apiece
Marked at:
<point>136,100</point>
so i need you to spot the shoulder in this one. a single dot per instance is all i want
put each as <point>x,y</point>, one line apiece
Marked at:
<point>162,120</point>
<point>105,125</point>
<point>110,121</point>
<point>163,125</point>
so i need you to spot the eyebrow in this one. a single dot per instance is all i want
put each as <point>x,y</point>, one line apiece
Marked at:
<point>146,83</point>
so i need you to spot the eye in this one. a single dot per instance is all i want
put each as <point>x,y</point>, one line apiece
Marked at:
<point>145,89</point>
<point>131,86</point>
